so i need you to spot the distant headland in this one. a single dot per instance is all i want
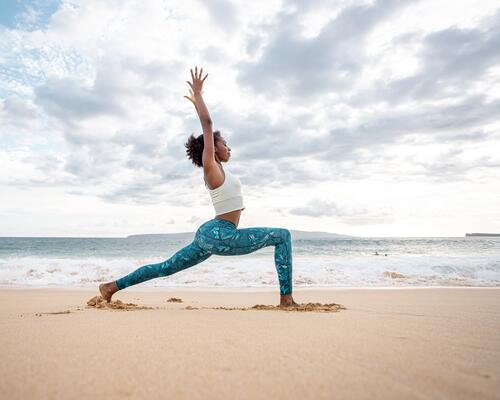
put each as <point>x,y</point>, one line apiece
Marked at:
<point>296,235</point>
<point>483,234</point>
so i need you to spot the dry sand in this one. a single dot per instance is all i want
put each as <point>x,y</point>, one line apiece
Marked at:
<point>434,343</point>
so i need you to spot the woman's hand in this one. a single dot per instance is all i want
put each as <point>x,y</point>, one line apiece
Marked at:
<point>192,99</point>
<point>197,84</point>
<point>195,97</point>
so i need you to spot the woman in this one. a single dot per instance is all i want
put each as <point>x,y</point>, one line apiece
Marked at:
<point>219,235</point>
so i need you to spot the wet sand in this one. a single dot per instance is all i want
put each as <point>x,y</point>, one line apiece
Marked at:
<point>422,343</point>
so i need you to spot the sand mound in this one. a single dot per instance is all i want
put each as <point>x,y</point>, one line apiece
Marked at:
<point>99,302</point>
<point>394,275</point>
<point>174,300</point>
<point>317,307</point>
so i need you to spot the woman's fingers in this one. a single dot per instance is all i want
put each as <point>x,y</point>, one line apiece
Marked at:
<point>190,99</point>
<point>197,83</point>
<point>197,75</point>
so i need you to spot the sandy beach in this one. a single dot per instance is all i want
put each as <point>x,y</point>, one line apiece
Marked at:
<point>425,343</point>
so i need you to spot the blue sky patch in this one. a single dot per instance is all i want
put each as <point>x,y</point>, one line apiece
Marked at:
<point>27,15</point>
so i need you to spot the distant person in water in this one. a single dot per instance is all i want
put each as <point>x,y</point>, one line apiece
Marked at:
<point>219,235</point>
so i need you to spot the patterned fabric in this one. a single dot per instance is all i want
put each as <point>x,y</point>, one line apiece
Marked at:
<point>222,238</point>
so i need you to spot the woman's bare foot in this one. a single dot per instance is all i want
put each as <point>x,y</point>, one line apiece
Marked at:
<point>287,301</point>
<point>107,290</point>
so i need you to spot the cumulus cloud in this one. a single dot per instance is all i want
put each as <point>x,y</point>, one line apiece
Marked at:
<point>67,99</point>
<point>318,208</point>
<point>304,68</point>
<point>223,14</point>
<point>452,60</point>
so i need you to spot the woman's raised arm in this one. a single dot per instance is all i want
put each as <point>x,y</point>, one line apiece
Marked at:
<point>206,122</point>
<point>196,96</point>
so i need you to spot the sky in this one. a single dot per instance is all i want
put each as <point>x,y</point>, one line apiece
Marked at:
<point>364,118</point>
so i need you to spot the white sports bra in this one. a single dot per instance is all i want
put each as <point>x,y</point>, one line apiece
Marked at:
<point>227,197</point>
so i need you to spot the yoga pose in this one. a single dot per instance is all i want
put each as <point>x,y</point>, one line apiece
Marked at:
<point>220,235</point>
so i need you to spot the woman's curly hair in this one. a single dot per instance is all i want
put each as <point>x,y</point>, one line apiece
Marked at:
<point>194,148</point>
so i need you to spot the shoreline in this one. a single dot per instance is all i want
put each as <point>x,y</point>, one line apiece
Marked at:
<point>239,289</point>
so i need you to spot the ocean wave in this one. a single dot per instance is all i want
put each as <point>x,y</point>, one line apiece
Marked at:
<point>258,270</point>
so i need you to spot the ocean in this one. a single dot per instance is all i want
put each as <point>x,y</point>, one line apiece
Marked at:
<point>401,262</point>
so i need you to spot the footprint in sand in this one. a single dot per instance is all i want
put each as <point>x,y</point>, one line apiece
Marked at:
<point>53,313</point>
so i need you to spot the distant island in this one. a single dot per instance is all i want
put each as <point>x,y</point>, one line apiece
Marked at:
<point>483,234</point>
<point>296,235</point>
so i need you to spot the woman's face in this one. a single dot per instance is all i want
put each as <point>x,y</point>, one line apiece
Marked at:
<point>222,150</point>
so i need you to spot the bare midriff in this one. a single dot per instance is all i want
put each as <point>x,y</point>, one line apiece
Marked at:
<point>232,216</point>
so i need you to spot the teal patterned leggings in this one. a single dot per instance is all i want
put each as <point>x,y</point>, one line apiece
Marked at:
<point>222,238</point>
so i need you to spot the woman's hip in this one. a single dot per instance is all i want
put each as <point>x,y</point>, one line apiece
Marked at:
<point>222,237</point>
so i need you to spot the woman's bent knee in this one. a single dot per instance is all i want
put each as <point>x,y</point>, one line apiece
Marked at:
<point>286,234</point>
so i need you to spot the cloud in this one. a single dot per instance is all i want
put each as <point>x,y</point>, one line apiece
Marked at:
<point>195,220</point>
<point>303,68</point>
<point>68,99</point>
<point>318,208</point>
<point>17,112</point>
<point>71,99</point>
<point>452,60</point>
<point>456,165</point>
<point>283,140</point>
<point>139,192</point>
<point>388,126</point>
<point>223,14</point>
